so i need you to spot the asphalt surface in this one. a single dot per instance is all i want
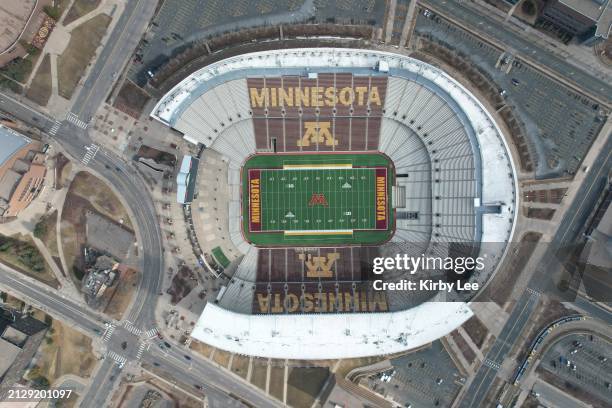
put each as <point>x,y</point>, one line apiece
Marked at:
<point>567,233</point>
<point>520,45</point>
<point>116,53</point>
<point>107,373</point>
<point>51,301</point>
<point>130,186</point>
<point>189,372</point>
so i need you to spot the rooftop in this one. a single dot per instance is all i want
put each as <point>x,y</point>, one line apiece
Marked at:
<point>328,336</point>
<point>593,9</point>
<point>11,143</point>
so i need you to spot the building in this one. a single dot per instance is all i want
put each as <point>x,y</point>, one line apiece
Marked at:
<point>185,180</point>
<point>293,294</point>
<point>22,171</point>
<point>589,20</point>
<point>20,336</point>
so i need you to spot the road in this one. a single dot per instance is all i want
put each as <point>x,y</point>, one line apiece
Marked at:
<point>521,44</point>
<point>118,49</point>
<point>567,232</point>
<point>553,397</point>
<point>189,372</point>
<point>130,186</point>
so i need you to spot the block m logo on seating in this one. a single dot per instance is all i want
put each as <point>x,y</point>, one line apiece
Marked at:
<point>317,133</point>
<point>319,266</point>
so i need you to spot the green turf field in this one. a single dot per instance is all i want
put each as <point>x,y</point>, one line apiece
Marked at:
<point>317,199</point>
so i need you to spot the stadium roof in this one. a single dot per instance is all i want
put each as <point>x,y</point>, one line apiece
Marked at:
<point>325,336</point>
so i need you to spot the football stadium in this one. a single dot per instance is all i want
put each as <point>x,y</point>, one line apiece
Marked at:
<point>314,164</point>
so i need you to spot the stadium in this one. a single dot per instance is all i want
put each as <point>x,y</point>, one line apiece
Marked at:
<point>329,159</point>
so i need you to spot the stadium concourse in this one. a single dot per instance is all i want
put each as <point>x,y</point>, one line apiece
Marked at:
<point>453,195</point>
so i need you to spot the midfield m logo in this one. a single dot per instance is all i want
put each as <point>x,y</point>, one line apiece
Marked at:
<point>318,199</point>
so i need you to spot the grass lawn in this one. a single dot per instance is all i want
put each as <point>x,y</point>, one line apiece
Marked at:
<point>64,351</point>
<point>220,257</point>
<point>20,68</point>
<point>70,245</point>
<point>86,193</point>
<point>240,365</point>
<point>46,231</point>
<point>277,381</point>
<point>100,196</point>
<point>40,88</point>
<point>258,375</point>
<point>56,11</point>
<point>10,85</point>
<point>84,41</point>
<point>221,357</point>
<point>349,364</point>
<point>202,349</point>
<point>304,384</point>
<point>80,8</point>
<point>20,253</point>
<point>122,296</point>
<point>476,330</point>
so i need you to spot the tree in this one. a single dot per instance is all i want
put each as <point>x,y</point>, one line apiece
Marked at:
<point>40,230</point>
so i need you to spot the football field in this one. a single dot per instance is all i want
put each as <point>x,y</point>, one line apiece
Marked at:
<point>319,199</point>
<point>327,196</point>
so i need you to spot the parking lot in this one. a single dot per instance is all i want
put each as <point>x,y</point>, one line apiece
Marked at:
<point>583,361</point>
<point>426,378</point>
<point>182,21</point>
<point>560,124</point>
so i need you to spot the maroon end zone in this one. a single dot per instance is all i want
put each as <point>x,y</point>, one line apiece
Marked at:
<point>254,200</point>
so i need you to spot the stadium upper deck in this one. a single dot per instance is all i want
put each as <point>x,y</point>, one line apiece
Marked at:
<point>455,189</point>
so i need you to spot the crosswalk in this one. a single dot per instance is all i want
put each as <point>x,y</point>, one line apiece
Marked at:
<point>141,349</point>
<point>533,292</point>
<point>74,119</point>
<point>119,359</point>
<point>131,328</point>
<point>188,341</point>
<point>151,332</point>
<point>90,153</point>
<point>108,332</point>
<point>491,364</point>
<point>55,128</point>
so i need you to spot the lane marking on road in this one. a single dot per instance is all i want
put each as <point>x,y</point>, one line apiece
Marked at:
<point>74,119</point>
<point>112,52</point>
<point>492,364</point>
<point>108,332</point>
<point>533,292</point>
<point>90,153</point>
<point>131,328</point>
<point>151,332</point>
<point>119,359</point>
<point>55,128</point>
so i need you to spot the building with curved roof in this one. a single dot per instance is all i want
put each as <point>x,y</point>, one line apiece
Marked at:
<point>453,195</point>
